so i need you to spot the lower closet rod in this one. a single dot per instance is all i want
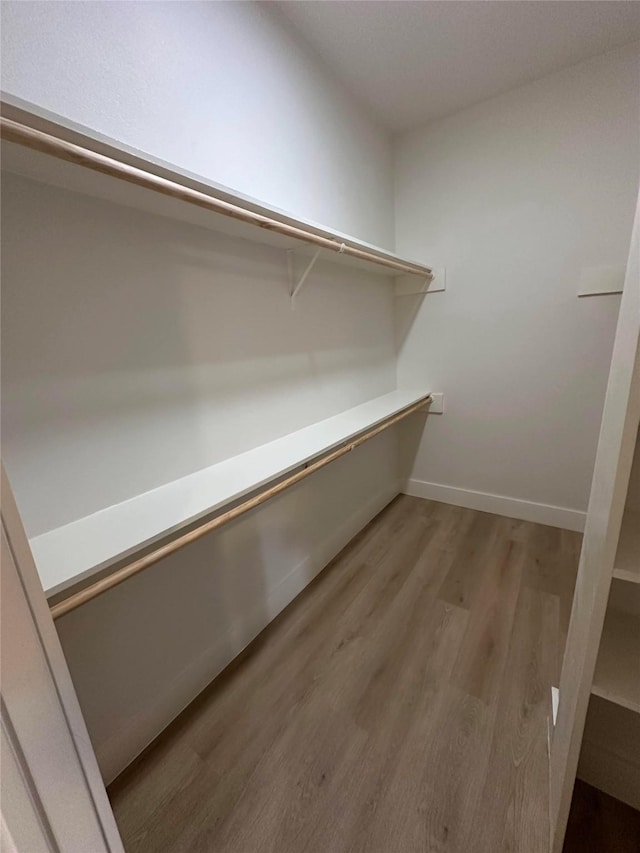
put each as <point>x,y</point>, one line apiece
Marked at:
<point>122,574</point>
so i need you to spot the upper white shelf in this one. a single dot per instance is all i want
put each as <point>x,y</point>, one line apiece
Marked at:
<point>54,151</point>
<point>627,563</point>
<point>76,551</point>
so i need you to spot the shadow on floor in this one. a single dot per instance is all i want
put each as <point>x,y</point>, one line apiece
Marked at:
<point>600,824</point>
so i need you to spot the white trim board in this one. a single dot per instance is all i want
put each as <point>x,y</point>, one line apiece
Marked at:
<point>60,799</point>
<point>554,516</point>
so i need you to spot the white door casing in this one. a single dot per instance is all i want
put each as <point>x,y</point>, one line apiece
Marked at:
<point>53,797</point>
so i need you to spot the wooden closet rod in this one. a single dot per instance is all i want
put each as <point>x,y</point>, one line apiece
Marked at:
<point>122,574</point>
<point>38,140</point>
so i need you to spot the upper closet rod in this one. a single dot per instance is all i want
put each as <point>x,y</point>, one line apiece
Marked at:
<point>127,571</point>
<point>38,140</point>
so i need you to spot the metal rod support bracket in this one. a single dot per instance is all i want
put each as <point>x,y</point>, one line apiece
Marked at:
<point>297,285</point>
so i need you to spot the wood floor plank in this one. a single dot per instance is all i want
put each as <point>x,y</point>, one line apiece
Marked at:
<point>482,657</point>
<point>167,771</point>
<point>284,680</point>
<point>406,742</point>
<point>473,550</point>
<point>518,758</point>
<point>398,704</point>
<point>450,787</point>
<point>280,803</point>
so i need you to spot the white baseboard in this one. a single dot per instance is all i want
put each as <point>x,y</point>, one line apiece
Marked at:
<point>554,516</point>
<point>119,750</point>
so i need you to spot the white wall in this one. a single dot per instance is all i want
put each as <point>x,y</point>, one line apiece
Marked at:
<point>137,349</point>
<point>222,89</point>
<point>516,196</point>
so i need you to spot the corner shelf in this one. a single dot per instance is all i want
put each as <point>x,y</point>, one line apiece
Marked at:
<point>617,675</point>
<point>72,553</point>
<point>627,562</point>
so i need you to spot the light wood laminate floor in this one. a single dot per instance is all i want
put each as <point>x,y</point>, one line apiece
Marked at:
<point>399,704</point>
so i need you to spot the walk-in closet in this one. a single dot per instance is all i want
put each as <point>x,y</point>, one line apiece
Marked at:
<point>320,426</point>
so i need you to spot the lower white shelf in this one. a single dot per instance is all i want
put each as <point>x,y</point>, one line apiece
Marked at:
<point>627,564</point>
<point>617,676</point>
<point>76,551</point>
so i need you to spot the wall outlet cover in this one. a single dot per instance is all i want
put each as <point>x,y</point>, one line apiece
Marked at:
<point>436,407</point>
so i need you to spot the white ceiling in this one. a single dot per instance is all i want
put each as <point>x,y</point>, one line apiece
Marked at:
<point>415,61</point>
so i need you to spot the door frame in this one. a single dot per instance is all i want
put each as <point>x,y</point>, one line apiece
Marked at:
<point>53,795</point>
<point>614,455</point>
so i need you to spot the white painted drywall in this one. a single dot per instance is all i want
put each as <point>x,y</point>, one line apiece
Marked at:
<point>515,197</point>
<point>222,89</point>
<point>137,349</point>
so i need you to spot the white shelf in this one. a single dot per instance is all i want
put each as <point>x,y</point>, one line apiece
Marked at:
<point>78,550</point>
<point>49,169</point>
<point>617,676</point>
<point>627,563</point>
